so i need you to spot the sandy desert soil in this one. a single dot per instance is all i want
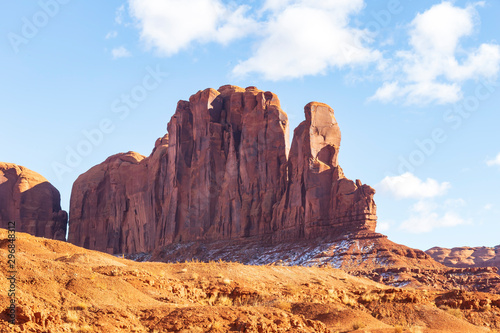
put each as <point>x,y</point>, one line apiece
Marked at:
<point>64,288</point>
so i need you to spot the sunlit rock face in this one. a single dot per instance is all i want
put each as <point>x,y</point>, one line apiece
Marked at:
<point>225,170</point>
<point>29,200</point>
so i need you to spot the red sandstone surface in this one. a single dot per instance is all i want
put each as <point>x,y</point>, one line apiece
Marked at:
<point>224,171</point>
<point>465,256</point>
<point>65,288</point>
<point>32,202</point>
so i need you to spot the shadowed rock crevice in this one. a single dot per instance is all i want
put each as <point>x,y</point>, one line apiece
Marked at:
<point>225,171</point>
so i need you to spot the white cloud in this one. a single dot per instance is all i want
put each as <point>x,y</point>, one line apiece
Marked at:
<point>437,64</point>
<point>383,226</point>
<point>120,52</point>
<point>495,161</point>
<point>170,26</point>
<point>119,14</point>
<point>488,206</point>
<point>428,215</point>
<point>111,34</point>
<point>408,185</point>
<point>308,37</point>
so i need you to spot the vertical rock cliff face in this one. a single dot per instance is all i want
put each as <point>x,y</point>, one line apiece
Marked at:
<point>32,202</point>
<point>319,200</point>
<point>224,171</point>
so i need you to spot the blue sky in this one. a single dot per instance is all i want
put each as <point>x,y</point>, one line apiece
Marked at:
<point>414,86</point>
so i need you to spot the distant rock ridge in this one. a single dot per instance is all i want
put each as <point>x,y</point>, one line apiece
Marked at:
<point>224,171</point>
<point>32,202</point>
<point>465,256</point>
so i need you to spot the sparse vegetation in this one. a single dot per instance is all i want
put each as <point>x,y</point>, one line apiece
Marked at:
<point>71,316</point>
<point>358,325</point>
<point>486,308</point>
<point>348,300</point>
<point>416,329</point>
<point>196,297</point>
<point>454,312</point>
<point>81,306</point>
<point>283,305</point>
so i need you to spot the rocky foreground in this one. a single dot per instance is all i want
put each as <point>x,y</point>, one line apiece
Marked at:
<point>65,288</point>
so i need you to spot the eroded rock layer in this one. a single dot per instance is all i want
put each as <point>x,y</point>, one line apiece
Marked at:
<point>32,202</point>
<point>467,257</point>
<point>224,171</point>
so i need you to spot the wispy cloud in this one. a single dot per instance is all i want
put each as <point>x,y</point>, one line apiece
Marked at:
<point>408,185</point>
<point>426,215</point>
<point>495,161</point>
<point>120,11</point>
<point>434,69</point>
<point>120,52</point>
<point>488,206</point>
<point>111,34</point>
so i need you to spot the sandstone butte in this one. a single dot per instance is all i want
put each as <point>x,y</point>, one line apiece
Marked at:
<point>32,202</point>
<point>466,257</point>
<point>224,171</point>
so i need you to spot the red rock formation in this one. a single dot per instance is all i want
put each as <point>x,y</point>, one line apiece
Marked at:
<point>465,257</point>
<point>32,202</point>
<point>319,200</point>
<point>223,172</point>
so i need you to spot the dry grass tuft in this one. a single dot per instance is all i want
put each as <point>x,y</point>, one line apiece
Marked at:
<point>81,306</point>
<point>283,305</point>
<point>72,317</point>
<point>224,301</point>
<point>357,325</point>
<point>347,300</point>
<point>398,329</point>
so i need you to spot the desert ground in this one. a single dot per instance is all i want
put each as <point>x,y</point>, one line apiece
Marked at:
<point>64,288</point>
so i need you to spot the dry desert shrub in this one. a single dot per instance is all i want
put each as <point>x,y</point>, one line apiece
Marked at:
<point>81,306</point>
<point>250,300</point>
<point>224,301</point>
<point>347,300</point>
<point>283,305</point>
<point>71,317</point>
<point>454,312</point>
<point>398,329</point>
<point>357,325</point>
<point>217,300</point>
<point>369,297</point>
<point>416,329</point>
<point>486,308</point>
<point>85,329</point>
<point>216,326</point>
